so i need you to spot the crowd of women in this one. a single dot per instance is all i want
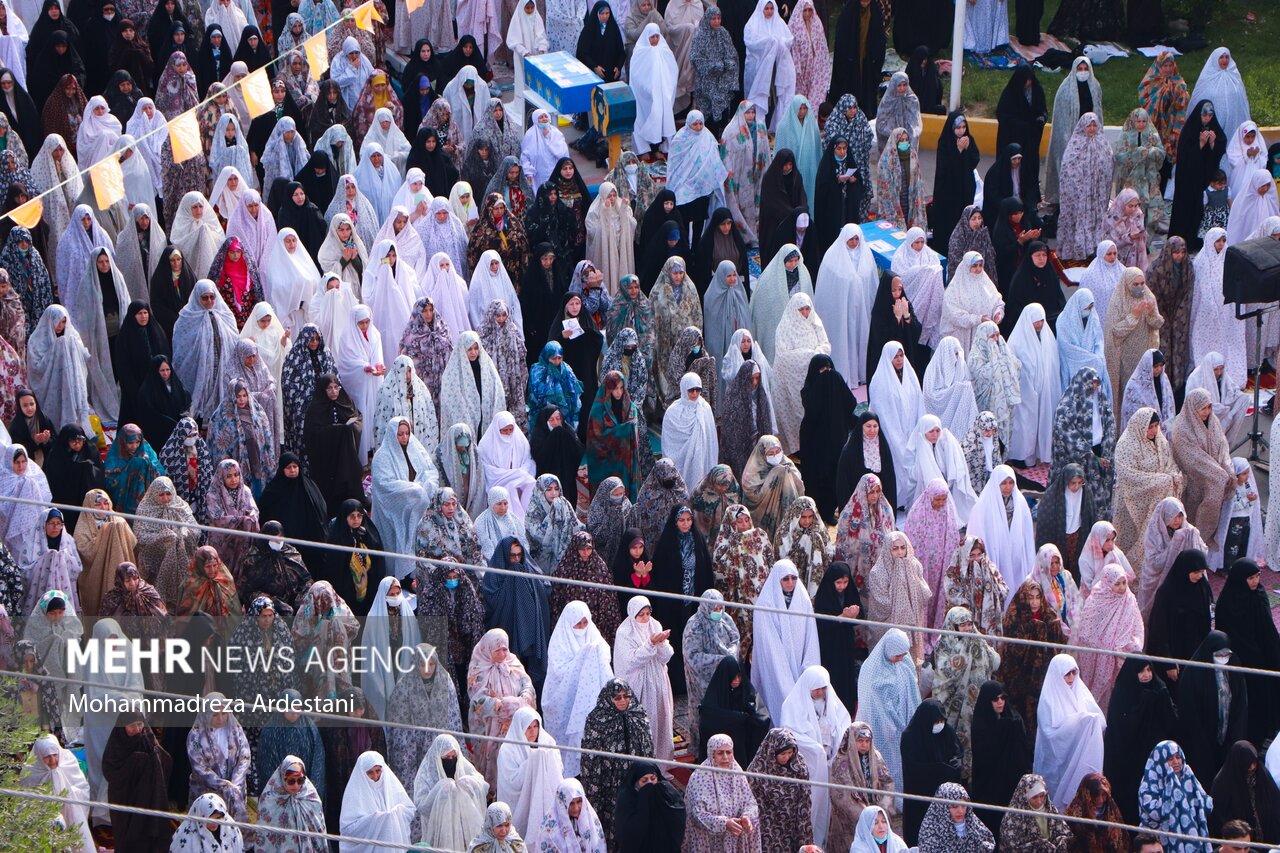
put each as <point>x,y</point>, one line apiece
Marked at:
<point>388,329</point>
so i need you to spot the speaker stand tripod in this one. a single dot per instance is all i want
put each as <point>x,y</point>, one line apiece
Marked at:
<point>1255,437</point>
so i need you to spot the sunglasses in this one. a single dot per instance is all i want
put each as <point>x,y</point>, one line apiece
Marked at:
<point>294,781</point>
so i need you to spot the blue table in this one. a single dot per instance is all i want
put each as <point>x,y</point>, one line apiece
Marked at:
<point>884,238</point>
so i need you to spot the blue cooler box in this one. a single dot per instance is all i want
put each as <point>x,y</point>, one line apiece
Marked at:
<point>561,80</point>
<point>884,238</point>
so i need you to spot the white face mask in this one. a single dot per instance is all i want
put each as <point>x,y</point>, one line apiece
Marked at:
<point>276,544</point>
<point>393,600</point>
<point>1222,657</point>
<point>938,727</point>
<point>189,442</point>
<point>1086,311</point>
<point>630,169</point>
<point>1083,76</point>
<point>774,458</point>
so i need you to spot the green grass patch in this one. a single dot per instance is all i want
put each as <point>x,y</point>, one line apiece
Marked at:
<point>1255,46</point>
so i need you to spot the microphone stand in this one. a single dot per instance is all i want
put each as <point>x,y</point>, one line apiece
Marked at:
<point>1255,437</point>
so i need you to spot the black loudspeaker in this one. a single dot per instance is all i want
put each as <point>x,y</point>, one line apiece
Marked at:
<point>1251,272</point>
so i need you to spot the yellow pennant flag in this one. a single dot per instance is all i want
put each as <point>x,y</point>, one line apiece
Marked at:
<point>256,89</point>
<point>184,137</point>
<point>317,55</point>
<point>28,215</point>
<point>108,181</point>
<point>365,15</point>
<point>415,5</point>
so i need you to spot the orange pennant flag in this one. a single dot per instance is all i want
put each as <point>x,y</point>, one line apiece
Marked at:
<point>415,5</point>
<point>28,215</point>
<point>256,89</point>
<point>365,15</point>
<point>184,137</point>
<point>317,55</point>
<point>108,181</point>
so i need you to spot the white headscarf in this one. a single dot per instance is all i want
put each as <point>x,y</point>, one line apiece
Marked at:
<point>408,243</point>
<point>448,292</point>
<point>1080,343</point>
<point>257,233</point>
<point>1010,545</point>
<point>98,133</point>
<point>392,139</point>
<point>690,428</point>
<point>58,370</point>
<point>528,776</point>
<point>542,147</point>
<point>941,460</point>
<point>76,245</point>
<point>353,351</point>
<point>199,239</point>
<point>921,273</point>
<point>450,807</point>
<point>283,159</point>
<point>578,666</point>
<point>1250,208</point>
<point>139,188</point>
<point>1240,165</point>
<point>379,811</point>
<point>487,286</point>
<point>194,832</point>
<point>507,461</point>
<point>558,831</point>
<point>330,308</point>
<point>378,185</point>
<point>351,78</point>
<point>460,401</point>
<point>290,278</point>
<point>1069,731</point>
<point>1224,87</point>
<point>696,169</point>
<point>785,645</point>
<point>1214,327</point>
<point>843,296</point>
<point>67,779</point>
<point>819,726</point>
<point>1032,433</point>
<point>413,189</point>
<point>83,301</point>
<point>1103,276</point>
<point>390,295</point>
<point>466,115</point>
<point>221,156</point>
<point>888,695</point>
<point>379,680</point>
<point>140,127</point>
<point>769,64</point>
<point>653,78</point>
<point>948,389</point>
<point>969,298</point>
<point>899,403</point>
<point>194,353</point>
<point>225,199</point>
<point>527,34</point>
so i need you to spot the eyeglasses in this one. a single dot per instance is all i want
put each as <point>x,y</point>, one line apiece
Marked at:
<point>294,781</point>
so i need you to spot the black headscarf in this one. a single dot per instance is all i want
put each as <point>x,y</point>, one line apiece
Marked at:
<point>884,327</point>
<point>1139,716</point>
<point>1051,515</point>
<point>333,445</point>
<point>71,475</point>
<point>923,76</point>
<point>137,768</point>
<point>160,405</point>
<point>1182,611</point>
<point>557,451</point>
<point>621,568</point>
<point>655,216</point>
<point>1244,790</point>
<point>855,71</point>
<point>1195,166</point>
<point>305,219</point>
<point>552,223</point>
<point>540,290</point>
<point>167,296</point>
<point>1001,752</point>
<point>119,103</point>
<point>298,504</point>
<point>457,59</point>
<point>669,573</point>
<point>1030,284</point>
<point>828,416</point>
<point>649,818</point>
<point>44,28</point>
<point>325,115</point>
<point>160,32</point>
<point>23,430</point>
<point>928,760</point>
<point>659,248</point>
<point>521,606</point>
<point>1245,615</point>
<point>601,46</point>
<point>134,348</point>
<point>208,68</point>
<point>1022,119</point>
<point>1200,708</point>
<point>319,187</point>
<point>437,166</point>
<point>834,203</point>
<point>23,116</point>
<point>853,465</point>
<point>477,170</point>
<point>780,192</point>
<point>1004,239</point>
<point>954,182</point>
<point>836,638</point>
<point>254,58</point>
<point>337,564</point>
<point>413,69</point>
<point>733,711</point>
<point>47,67</point>
<point>704,259</point>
